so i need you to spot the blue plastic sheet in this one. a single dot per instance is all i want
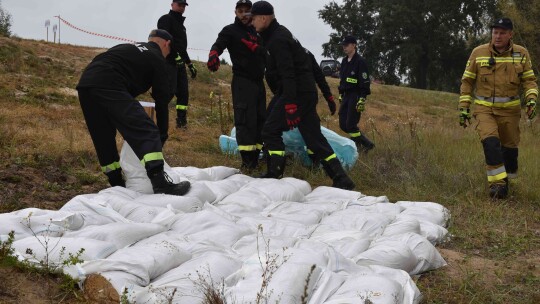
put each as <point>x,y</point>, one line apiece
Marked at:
<point>344,148</point>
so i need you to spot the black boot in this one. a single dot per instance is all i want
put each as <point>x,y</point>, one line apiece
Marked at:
<point>275,165</point>
<point>335,171</point>
<point>315,161</point>
<point>499,191</point>
<point>115,178</point>
<point>250,159</point>
<point>366,143</point>
<point>162,183</point>
<point>181,119</point>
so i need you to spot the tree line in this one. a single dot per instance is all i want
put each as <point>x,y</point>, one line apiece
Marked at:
<point>426,43</point>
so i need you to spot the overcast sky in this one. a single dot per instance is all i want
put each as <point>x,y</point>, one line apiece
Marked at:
<point>133,19</point>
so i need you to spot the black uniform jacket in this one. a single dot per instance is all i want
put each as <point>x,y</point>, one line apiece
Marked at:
<point>245,63</point>
<point>288,69</point>
<point>354,76</point>
<point>173,23</point>
<point>133,68</point>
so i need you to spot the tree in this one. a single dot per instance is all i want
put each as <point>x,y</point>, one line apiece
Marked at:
<point>424,42</point>
<point>5,22</point>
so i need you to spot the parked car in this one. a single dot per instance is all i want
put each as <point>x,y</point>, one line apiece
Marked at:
<point>330,67</point>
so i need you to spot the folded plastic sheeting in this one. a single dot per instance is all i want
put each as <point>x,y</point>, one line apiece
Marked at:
<point>245,239</point>
<point>344,148</point>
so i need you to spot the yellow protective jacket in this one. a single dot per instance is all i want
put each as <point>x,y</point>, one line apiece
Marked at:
<point>494,79</point>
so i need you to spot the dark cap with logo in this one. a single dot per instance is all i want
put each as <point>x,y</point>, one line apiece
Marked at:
<point>181,2</point>
<point>504,23</point>
<point>244,2</point>
<point>348,40</point>
<point>262,8</point>
<point>163,34</point>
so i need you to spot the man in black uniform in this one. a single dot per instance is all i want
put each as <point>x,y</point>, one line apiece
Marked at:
<point>248,92</point>
<point>354,87</point>
<point>173,22</point>
<point>107,91</point>
<point>290,76</point>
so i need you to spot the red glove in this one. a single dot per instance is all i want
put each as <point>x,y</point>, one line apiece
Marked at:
<point>252,46</point>
<point>331,104</point>
<point>291,115</point>
<point>213,61</point>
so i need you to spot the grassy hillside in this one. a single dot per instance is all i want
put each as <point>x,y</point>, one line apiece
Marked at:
<point>421,154</point>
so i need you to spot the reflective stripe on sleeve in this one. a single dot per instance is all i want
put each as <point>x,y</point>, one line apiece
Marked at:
<point>110,167</point>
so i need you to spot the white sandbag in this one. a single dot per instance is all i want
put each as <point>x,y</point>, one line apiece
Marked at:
<point>426,254</point>
<point>224,188</point>
<point>30,221</point>
<point>208,174</point>
<point>376,206</point>
<point>333,194</point>
<point>95,208</point>
<point>173,202</point>
<point>371,288</point>
<point>57,249</point>
<point>276,190</point>
<point>188,280</point>
<point>427,211</point>
<point>253,244</point>
<point>327,206</point>
<point>120,192</point>
<point>366,201</point>
<point>352,219</point>
<point>307,251</point>
<point>298,212</point>
<point>207,225</point>
<point>245,202</point>
<point>276,227</point>
<point>201,191</point>
<point>140,213</point>
<point>389,253</point>
<point>120,234</point>
<point>145,262</point>
<point>301,185</point>
<point>349,243</point>
<point>402,225</point>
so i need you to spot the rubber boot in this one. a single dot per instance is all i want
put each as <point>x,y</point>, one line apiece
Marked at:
<point>181,119</point>
<point>275,165</point>
<point>365,143</point>
<point>335,171</point>
<point>250,160</point>
<point>162,183</point>
<point>499,190</point>
<point>115,178</point>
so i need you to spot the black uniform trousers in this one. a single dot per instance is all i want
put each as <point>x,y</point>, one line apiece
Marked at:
<point>309,126</point>
<point>106,111</point>
<point>249,103</point>
<point>348,116</point>
<point>179,81</point>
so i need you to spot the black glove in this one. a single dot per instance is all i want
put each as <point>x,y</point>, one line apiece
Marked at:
<point>178,60</point>
<point>291,115</point>
<point>213,61</point>
<point>464,117</point>
<point>192,70</point>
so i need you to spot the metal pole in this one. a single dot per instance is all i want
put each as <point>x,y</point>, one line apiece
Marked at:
<point>58,28</point>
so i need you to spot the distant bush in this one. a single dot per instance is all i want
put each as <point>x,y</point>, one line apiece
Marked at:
<point>5,22</point>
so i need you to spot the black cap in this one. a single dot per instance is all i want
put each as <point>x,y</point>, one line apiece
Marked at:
<point>504,23</point>
<point>348,40</point>
<point>262,8</point>
<point>181,2</point>
<point>163,34</point>
<point>244,2</point>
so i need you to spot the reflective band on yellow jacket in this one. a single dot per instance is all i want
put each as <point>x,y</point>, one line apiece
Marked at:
<point>498,75</point>
<point>498,102</point>
<point>110,167</point>
<point>152,156</point>
<point>496,175</point>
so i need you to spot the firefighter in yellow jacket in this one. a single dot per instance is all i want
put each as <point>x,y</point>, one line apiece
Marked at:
<point>496,75</point>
